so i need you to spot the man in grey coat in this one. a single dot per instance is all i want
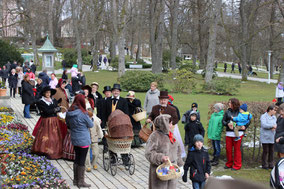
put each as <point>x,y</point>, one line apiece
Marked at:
<point>152,97</point>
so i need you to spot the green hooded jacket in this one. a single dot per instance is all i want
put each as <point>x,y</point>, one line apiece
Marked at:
<point>215,126</point>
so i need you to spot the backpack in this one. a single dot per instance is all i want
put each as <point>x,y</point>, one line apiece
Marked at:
<point>277,175</point>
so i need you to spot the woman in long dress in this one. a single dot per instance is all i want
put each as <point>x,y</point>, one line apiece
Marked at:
<point>48,140</point>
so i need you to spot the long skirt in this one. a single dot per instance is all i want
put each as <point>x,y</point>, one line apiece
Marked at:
<point>63,127</point>
<point>48,140</point>
<point>179,139</point>
<point>68,148</point>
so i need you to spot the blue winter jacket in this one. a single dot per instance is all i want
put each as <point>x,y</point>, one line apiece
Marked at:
<point>79,124</point>
<point>242,118</point>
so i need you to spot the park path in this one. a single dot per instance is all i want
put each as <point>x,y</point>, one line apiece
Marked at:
<point>238,76</point>
<point>98,178</point>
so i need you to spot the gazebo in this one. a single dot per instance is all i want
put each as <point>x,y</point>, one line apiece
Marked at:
<point>48,59</point>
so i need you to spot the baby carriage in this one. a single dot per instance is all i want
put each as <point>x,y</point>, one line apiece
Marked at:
<point>119,136</point>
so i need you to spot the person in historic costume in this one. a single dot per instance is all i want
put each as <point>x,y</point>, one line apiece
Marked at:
<point>176,129</point>
<point>79,122</point>
<point>101,105</point>
<point>95,93</point>
<point>133,104</point>
<point>89,98</point>
<point>163,108</point>
<point>48,139</point>
<point>117,102</point>
<point>161,147</point>
<point>68,148</point>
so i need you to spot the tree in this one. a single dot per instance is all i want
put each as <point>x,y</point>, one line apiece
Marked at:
<point>119,11</point>
<point>156,33</point>
<point>77,13</point>
<point>215,15</point>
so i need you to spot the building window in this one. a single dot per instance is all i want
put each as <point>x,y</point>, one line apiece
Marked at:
<point>48,61</point>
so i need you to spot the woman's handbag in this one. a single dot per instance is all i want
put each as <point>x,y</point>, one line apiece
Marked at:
<point>145,132</point>
<point>172,173</point>
<point>139,115</point>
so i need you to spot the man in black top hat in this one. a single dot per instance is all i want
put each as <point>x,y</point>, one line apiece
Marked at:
<point>116,102</point>
<point>101,105</point>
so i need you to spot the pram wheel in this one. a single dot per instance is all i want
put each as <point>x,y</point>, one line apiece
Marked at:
<point>106,160</point>
<point>113,161</point>
<point>131,164</point>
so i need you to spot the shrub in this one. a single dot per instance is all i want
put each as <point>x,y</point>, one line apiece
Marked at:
<point>139,81</point>
<point>70,56</point>
<point>181,81</point>
<point>9,53</point>
<point>167,59</point>
<point>251,148</point>
<point>214,73</point>
<point>222,86</point>
<point>189,67</point>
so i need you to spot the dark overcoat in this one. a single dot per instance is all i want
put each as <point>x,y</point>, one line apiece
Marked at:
<point>279,147</point>
<point>132,108</point>
<point>13,80</point>
<point>27,93</point>
<point>121,105</point>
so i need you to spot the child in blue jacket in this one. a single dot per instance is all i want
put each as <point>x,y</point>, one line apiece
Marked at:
<point>242,119</point>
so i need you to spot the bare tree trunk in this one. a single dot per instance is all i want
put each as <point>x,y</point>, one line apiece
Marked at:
<point>212,40</point>
<point>193,34</point>
<point>281,75</point>
<point>112,48</point>
<point>50,20</point>
<point>119,31</point>
<point>201,35</point>
<point>174,29</point>
<point>244,33</point>
<point>156,34</point>
<point>271,38</point>
<point>132,44</point>
<point>77,34</point>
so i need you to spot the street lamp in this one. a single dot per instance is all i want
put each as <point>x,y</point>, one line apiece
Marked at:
<point>269,55</point>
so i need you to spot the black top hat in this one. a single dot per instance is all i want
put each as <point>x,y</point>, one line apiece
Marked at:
<point>107,88</point>
<point>164,94</point>
<point>47,88</point>
<point>116,86</point>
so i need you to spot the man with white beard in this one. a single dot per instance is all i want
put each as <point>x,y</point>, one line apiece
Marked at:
<point>163,108</point>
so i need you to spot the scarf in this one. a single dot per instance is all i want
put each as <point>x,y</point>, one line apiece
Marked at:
<point>171,137</point>
<point>280,86</point>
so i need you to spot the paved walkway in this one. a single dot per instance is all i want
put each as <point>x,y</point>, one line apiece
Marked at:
<point>238,76</point>
<point>98,178</point>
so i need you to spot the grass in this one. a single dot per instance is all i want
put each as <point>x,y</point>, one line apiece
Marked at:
<point>249,91</point>
<point>257,175</point>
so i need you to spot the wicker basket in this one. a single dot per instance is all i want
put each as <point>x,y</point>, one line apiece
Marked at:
<point>121,146</point>
<point>145,132</point>
<point>140,115</point>
<point>172,173</point>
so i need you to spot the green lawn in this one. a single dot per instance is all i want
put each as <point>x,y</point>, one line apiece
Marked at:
<point>257,175</point>
<point>249,91</point>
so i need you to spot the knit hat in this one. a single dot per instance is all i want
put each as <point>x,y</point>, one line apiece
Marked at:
<point>197,138</point>
<point>75,65</point>
<point>171,99</point>
<point>193,113</point>
<point>218,106</point>
<point>194,105</point>
<point>244,107</point>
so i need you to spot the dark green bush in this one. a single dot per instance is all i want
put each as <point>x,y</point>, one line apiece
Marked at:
<point>222,86</point>
<point>140,81</point>
<point>181,81</point>
<point>189,67</point>
<point>9,53</point>
<point>70,56</point>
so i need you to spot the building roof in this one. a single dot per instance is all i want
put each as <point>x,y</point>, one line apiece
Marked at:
<point>47,46</point>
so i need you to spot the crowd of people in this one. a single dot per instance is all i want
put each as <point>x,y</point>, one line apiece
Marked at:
<point>77,134</point>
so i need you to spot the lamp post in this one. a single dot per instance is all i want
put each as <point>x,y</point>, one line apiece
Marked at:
<point>269,56</point>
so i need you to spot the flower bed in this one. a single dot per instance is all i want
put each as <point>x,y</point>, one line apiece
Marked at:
<point>13,140</point>
<point>19,168</point>
<point>5,109</point>
<point>22,170</point>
